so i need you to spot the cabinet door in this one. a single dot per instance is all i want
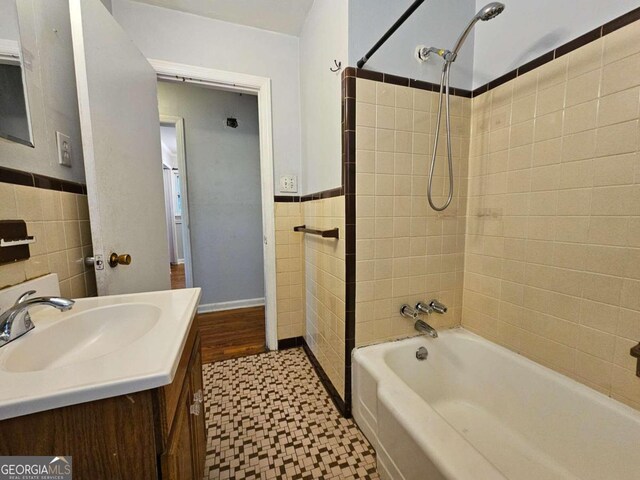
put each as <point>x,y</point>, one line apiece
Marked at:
<point>177,461</point>
<point>198,431</point>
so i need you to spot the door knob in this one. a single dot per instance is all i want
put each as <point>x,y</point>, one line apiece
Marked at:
<point>115,260</point>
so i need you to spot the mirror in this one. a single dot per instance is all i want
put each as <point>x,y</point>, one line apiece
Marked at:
<point>38,96</point>
<point>15,121</point>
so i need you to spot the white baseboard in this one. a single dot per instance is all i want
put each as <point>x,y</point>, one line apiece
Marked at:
<point>218,307</point>
<point>181,261</point>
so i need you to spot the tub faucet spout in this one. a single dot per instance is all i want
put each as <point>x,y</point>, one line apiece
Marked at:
<point>423,327</point>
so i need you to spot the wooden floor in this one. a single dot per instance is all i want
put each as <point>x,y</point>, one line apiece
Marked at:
<point>177,276</point>
<point>232,333</point>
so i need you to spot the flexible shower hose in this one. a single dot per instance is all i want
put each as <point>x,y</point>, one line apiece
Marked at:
<point>444,85</point>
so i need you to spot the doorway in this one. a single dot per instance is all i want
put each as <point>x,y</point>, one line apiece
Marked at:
<point>222,173</point>
<point>176,200</point>
<point>261,88</point>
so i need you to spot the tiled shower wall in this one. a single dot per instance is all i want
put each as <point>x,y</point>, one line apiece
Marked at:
<point>60,223</point>
<point>289,270</point>
<point>406,252</point>
<point>325,287</point>
<point>552,266</point>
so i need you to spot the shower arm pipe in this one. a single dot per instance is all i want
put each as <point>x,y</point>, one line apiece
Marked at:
<point>414,6</point>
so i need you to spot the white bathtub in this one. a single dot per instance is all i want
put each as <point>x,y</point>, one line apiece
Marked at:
<point>474,410</point>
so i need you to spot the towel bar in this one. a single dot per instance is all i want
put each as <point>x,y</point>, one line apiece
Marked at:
<point>333,233</point>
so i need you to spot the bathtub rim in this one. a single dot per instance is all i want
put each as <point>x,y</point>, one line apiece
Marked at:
<point>381,348</point>
<point>453,454</point>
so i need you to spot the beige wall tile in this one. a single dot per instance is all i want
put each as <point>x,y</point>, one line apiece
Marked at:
<point>12,274</point>
<point>548,126</point>
<point>385,117</point>
<point>321,308</point>
<point>619,107</point>
<point>617,139</point>
<point>522,86</point>
<point>289,279</point>
<point>550,99</point>
<point>547,204</point>
<point>8,208</point>
<point>521,134</point>
<point>50,251</point>
<point>28,203</point>
<point>366,90</point>
<point>547,152</point>
<point>385,94</point>
<point>69,206</point>
<point>583,88</point>
<point>579,146</point>
<point>580,117</point>
<point>615,170</point>
<point>409,240</point>
<point>51,205</point>
<point>622,43</point>
<point>585,59</point>
<point>621,74</point>
<point>565,231</point>
<point>365,114</point>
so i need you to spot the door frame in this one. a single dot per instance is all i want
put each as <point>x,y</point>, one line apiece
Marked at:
<point>178,123</point>
<point>261,87</point>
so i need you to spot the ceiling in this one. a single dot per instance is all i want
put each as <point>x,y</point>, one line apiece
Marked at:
<point>284,16</point>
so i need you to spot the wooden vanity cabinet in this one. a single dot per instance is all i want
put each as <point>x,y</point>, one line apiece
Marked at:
<point>185,448</point>
<point>153,434</point>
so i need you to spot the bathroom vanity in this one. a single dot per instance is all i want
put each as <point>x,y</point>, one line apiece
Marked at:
<point>123,396</point>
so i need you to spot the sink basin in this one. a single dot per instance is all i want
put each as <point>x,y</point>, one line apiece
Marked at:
<point>80,337</point>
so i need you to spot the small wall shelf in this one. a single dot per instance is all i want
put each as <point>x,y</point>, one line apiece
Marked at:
<point>14,241</point>
<point>333,233</point>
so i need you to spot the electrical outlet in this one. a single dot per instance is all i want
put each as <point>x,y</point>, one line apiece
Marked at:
<point>65,155</point>
<point>289,184</point>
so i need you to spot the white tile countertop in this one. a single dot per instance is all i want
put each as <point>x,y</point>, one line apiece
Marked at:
<point>112,345</point>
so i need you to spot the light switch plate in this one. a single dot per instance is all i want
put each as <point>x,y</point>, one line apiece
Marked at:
<point>289,184</point>
<point>65,154</point>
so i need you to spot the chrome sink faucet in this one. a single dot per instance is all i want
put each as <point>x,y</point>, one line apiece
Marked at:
<point>16,321</point>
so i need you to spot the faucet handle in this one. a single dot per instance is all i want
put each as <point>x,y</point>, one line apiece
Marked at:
<point>438,307</point>
<point>24,296</point>
<point>424,308</point>
<point>408,312</point>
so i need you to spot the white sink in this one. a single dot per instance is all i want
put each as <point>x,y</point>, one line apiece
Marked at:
<point>84,336</point>
<point>103,347</point>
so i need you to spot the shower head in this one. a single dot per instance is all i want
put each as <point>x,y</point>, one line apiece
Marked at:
<point>489,11</point>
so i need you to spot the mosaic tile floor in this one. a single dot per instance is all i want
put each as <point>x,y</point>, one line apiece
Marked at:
<point>268,417</point>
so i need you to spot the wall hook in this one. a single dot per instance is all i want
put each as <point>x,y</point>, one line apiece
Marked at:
<point>338,66</point>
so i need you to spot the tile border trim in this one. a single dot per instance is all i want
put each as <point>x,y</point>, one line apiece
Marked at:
<point>401,81</point>
<point>349,76</point>
<point>333,192</point>
<point>571,45</point>
<point>29,179</point>
<point>286,198</point>
<point>287,343</point>
<point>326,382</point>
<point>568,47</point>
